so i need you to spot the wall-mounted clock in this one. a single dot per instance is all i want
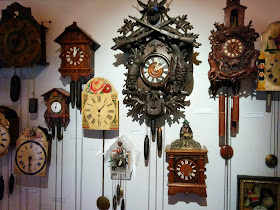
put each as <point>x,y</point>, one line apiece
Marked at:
<point>22,38</point>
<point>77,57</point>
<point>57,113</point>
<point>100,109</point>
<point>31,152</point>
<point>5,138</point>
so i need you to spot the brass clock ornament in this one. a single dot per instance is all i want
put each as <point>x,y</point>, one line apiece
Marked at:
<point>22,38</point>
<point>77,58</point>
<point>160,66</point>
<point>57,113</point>
<point>187,161</point>
<point>100,106</point>
<point>31,152</point>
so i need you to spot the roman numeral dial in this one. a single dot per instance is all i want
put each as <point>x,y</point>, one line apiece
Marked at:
<point>4,141</point>
<point>186,169</point>
<point>272,70</point>
<point>155,70</point>
<point>233,48</point>
<point>75,56</point>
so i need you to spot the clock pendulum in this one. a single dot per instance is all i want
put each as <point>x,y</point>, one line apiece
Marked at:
<point>12,178</point>
<point>33,102</point>
<point>2,185</point>
<point>103,202</point>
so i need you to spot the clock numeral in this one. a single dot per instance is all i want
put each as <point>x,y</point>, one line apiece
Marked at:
<point>268,70</point>
<point>26,147</point>
<point>109,117</point>
<point>2,145</point>
<point>105,122</point>
<point>3,134</point>
<point>20,156</point>
<point>87,110</point>
<point>21,162</point>
<point>41,158</point>
<point>275,80</point>
<point>39,164</point>
<point>31,146</point>
<point>110,104</point>
<point>24,167</point>
<point>99,98</point>
<point>105,100</point>
<point>39,153</point>
<point>89,116</point>
<point>270,76</point>
<point>89,104</point>
<point>111,111</point>
<point>93,121</point>
<point>93,100</point>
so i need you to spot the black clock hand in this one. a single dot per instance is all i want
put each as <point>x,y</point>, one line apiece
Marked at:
<point>102,106</point>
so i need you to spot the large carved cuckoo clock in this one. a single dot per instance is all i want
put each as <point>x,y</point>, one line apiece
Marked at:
<point>77,57</point>
<point>22,38</point>
<point>159,64</point>
<point>233,58</point>
<point>57,113</point>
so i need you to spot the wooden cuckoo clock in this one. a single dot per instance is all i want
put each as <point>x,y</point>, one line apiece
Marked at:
<point>100,105</point>
<point>159,64</point>
<point>187,161</point>
<point>77,57</point>
<point>22,38</point>
<point>57,113</point>
<point>233,58</point>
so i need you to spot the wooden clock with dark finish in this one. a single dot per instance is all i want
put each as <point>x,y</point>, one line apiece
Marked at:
<point>57,113</point>
<point>22,38</point>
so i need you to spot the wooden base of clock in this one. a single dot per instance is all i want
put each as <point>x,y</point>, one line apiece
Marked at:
<point>194,180</point>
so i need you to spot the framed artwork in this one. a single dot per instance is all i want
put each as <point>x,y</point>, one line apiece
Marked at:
<point>258,192</point>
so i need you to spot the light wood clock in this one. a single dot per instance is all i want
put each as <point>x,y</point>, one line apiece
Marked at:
<point>57,113</point>
<point>77,58</point>
<point>31,152</point>
<point>100,109</point>
<point>5,138</point>
<point>22,38</point>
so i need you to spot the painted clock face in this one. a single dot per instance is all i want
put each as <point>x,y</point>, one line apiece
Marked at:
<point>185,169</point>
<point>31,157</point>
<point>155,70</point>
<point>259,208</point>
<point>99,111</point>
<point>75,55</point>
<point>56,107</point>
<point>272,70</point>
<point>233,48</point>
<point>5,140</point>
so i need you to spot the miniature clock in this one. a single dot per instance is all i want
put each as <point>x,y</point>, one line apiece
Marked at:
<point>57,113</point>
<point>5,138</point>
<point>22,38</point>
<point>269,60</point>
<point>100,109</point>
<point>77,57</point>
<point>31,152</point>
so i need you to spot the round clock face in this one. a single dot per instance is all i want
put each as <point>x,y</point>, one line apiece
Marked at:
<point>233,48</point>
<point>56,107</point>
<point>31,157</point>
<point>185,169</point>
<point>75,55</point>
<point>5,140</point>
<point>155,70</point>
<point>99,110</point>
<point>272,70</point>
<point>21,43</point>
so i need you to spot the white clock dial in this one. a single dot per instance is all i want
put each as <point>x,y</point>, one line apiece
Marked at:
<point>75,56</point>
<point>56,107</point>
<point>186,169</point>
<point>233,48</point>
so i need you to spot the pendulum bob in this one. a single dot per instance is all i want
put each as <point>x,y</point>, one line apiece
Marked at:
<point>122,205</point>
<point>153,126</point>
<point>271,161</point>
<point>235,113</point>
<point>15,88</point>
<point>159,139</point>
<point>146,147</point>
<point>118,192</point>
<point>268,100</point>
<point>114,202</point>
<point>79,94</point>
<point>103,203</point>
<point>53,131</point>
<point>11,183</point>
<point>226,152</point>
<point>222,119</point>
<point>33,105</point>
<point>59,132</point>
<point>73,93</point>
<point>1,187</point>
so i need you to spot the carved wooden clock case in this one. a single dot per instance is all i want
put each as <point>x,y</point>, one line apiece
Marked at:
<point>77,57</point>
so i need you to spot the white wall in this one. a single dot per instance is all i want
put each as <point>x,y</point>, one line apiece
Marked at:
<point>101,19</point>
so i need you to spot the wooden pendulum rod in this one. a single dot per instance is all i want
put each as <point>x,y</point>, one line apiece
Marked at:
<point>235,113</point>
<point>222,116</point>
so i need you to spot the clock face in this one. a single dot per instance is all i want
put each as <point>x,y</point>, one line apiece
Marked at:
<point>56,107</point>
<point>5,140</point>
<point>155,70</point>
<point>259,208</point>
<point>272,70</point>
<point>20,43</point>
<point>233,48</point>
<point>31,157</point>
<point>75,55</point>
<point>185,169</point>
<point>99,111</point>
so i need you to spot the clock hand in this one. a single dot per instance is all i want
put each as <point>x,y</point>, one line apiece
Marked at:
<point>75,52</point>
<point>102,106</point>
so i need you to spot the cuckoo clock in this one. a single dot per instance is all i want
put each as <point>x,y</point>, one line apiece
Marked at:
<point>57,113</point>
<point>187,161</point>
<point>100,105</point>
<point>13,119</point>
<point>77,57</point>
<point>233,58</point>
<point>22,38</point>
<point>159,64</point>
<point>269,60</point>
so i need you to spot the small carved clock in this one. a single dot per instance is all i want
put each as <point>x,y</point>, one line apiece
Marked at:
<point>31,152</point>
<point>100,105</point>
<point>22,38</point>
<point>77,57</point>
<point>57,113</point>
<point>187,161</point>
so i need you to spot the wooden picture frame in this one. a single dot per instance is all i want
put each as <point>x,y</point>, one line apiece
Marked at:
<point>258,192</point>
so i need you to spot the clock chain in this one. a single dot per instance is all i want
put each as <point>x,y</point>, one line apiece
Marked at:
<point>61,175</point>
<point>81,172</point>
